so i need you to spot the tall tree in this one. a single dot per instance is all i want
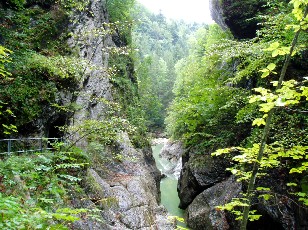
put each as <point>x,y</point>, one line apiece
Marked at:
<point>161,43</point>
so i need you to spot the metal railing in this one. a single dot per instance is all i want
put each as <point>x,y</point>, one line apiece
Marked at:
<point>24,145</point>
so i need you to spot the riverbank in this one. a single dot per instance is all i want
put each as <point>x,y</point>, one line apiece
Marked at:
<point>168,184</point>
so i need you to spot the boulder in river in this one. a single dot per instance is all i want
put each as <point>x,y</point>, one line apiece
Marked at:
<point>199,173</point>
<point>202,212</point>
<point>172,151</point>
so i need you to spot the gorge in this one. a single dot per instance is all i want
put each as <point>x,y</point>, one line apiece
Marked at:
<point>108,77</point>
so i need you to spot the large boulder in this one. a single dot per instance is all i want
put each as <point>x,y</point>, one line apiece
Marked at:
<point>203,213</point>
<point>238,15</point>
<point>204,185</point>
<point>173,151</point>
<point>199,173</point>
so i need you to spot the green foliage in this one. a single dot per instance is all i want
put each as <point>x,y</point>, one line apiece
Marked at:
<point>149,99</point>
<point>34,83</point>
<point>160,44</point>
<point>4,113</point>
<point>37,68</point>
<point>104,131</point>
<point>34,189</point>
<point>254,162</point>
<point>204,110</point>
<point>64,71</point>
<point>17,4</point>
<point>4,58</point>
<point>34,28</point>
<point>119,10</point>
<point>120,14</point>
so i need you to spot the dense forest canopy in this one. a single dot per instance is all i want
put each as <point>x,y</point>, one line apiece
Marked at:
<point>160,44</point>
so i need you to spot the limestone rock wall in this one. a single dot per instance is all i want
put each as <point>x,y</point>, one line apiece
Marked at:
<point>122,182</point>
<point>90,40</point>
<point>126,193</point>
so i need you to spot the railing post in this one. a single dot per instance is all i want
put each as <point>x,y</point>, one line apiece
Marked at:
<point>41,144</point>
<point>9,146</point>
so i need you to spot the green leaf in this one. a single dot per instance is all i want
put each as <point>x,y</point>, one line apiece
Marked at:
<point>304,90</point>
<point>272,46</point>
<point>63,216</point>
<point>291,184</point>
<point>258,122</point>
<point>221,151</point>
<point>271,66</point>
<point>275,53</point>
<point>263,189</point>
<point>265,74</point>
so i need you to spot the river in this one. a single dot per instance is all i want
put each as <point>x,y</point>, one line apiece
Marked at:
<point>168,185</point>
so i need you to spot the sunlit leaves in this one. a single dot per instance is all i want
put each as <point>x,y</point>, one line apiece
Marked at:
<point>219,152</point>
<point>68,214</point>
<point>263,189</point>
<point>258,122</point>
<point>4,75</point>
<point>4,58</point>
<point>301,169</point>
<point>303,197</point>
<point>277,49</point>
<point>288,94</point>
<point>304,90</point>
<point>60,67</point>
<point>235,207</point>
<point>236,202</point>
<point>265,193</point>
<point>299,7</point>
<point>268,70</point>
<point>8,129</point>
<point>269,100</point>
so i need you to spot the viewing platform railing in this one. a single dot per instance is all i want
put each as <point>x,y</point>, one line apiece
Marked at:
<point>25,145</point>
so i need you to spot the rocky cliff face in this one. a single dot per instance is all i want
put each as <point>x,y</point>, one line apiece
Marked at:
<point>238,16</point>
<point>125,192</point>
<point>128,181</point>
<point>91,43</point>
<point>204,184</point>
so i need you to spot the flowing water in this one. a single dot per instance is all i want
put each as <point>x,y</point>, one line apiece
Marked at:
<point>168,185</point>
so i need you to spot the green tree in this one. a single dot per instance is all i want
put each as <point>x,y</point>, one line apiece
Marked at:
<point>5,113</point>
<point>204,109</point>
<point>264,155</point>
<point>212,108</point>
<point>160,45</point>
